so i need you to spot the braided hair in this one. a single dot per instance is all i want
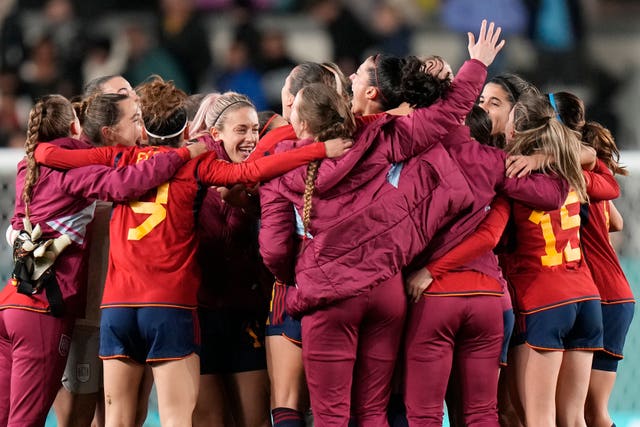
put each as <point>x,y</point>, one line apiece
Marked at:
<point>49,119</point>
<point>327,115</point>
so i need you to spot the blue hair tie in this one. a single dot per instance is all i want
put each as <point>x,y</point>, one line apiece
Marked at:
<point>552,100</point>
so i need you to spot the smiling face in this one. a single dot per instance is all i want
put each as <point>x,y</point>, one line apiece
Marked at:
<point>495,101</point>
<point>239,134</point>
<point>128,130</point>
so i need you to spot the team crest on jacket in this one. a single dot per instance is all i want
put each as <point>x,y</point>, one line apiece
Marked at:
<point>83,372</point>
<point>63,346</point>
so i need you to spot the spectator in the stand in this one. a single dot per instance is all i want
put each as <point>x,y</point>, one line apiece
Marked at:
<point>274,63</point>
<point>461,16</point>
<point>184,36</point>
<point>273,52</point>
<point>11,123</point>
<point>146,59</point>
<point>240,76</point>
<point>350,38</point>
<point>11,42</point>
<point>392,29</point>
<point>41,73</point>
<point>244,28</point>
<point>557,28</point>
<point>69,38</point>
<point>104,56</point>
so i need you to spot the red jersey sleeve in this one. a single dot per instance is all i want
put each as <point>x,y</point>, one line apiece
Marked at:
<point>64,158</point>
<point>213,171</point>
<point>483,239</point>
<point>267,143</point>
<point>601,184</point>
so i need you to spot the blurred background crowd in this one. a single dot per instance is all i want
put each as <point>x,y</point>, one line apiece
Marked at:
<point>591,47</point>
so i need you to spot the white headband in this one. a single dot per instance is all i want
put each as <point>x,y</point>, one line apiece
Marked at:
<point>186,121</point>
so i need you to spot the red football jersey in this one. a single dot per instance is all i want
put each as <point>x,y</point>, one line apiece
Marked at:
<point>601,257</point>
<point>548,268</point>
<point>152,258</point>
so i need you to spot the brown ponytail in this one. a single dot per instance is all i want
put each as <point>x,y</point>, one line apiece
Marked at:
<point>326,113</point>
<point>599,137</point>
<point>309,188</point>
<point>572,111</point>
<point>33,171</point>
<point>49,119</point>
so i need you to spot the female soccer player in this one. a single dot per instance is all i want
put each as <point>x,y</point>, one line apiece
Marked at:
<point>36,321</point>
<point>139,315</point>
<point>617,301</point>
<point>233,296</point>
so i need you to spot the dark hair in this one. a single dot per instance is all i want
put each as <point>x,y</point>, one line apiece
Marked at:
<point>480,125</point>
<point>266,121</point>
<point>95,85</point>
<point>404,80</point>
<point>572,112</point>
<point>514,85</point>
<point>100,110</point>
<point>163,111</point>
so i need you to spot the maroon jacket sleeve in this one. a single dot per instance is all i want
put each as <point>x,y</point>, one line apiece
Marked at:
<point>482,240</point>
<point>416,132</point>
<point>213,171</point>
<point>601,184</point>
<point>122,184</point>
<point>537,190</point>
<point>277,237</point>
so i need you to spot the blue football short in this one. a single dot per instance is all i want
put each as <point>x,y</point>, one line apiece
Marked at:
<point>279,321</point>
<point>575,326</point>
<point>148,334</point>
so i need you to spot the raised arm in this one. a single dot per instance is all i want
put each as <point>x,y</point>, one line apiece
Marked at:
<point>482,240</point>
<point>416,132</point>
<point>423,127</point>
<point>122,184</point>
<point>277,233</point>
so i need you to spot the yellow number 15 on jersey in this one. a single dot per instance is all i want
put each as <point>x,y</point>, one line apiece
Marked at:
<point>552,257</point>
